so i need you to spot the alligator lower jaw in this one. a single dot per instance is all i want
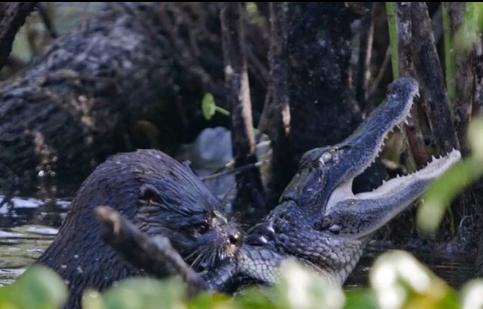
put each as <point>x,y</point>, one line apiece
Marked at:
<point>431,171</point>
<point>396,186</point>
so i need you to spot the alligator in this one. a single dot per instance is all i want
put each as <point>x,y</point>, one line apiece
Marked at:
<point>319,221</point>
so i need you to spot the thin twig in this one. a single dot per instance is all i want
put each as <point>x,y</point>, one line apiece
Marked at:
<point>233,171</point>
<point>365,53</point>
<point>392,24</point>
<point>380,74</point>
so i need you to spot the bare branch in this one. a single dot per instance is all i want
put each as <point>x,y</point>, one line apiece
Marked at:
<point>155,256</point>
<point>238,93</point>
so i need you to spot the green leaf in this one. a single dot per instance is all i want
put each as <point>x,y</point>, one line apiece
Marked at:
<point>360,298</point>
<point>442,192</point>
<point>39,287</point>
<point>146,293</point>
<point>475,138</point>
<point>211,301</point>
<point>208,106</point>
<point>92,300</point>
<point>257,298</point>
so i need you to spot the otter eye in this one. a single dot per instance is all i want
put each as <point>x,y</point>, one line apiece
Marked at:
<point>148,193</point>
<point>203,228</point>
<point>326,157</point>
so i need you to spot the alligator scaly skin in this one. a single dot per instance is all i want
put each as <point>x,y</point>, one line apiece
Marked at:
<point>318,220</point>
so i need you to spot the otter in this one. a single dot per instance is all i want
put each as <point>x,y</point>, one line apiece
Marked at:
<point>162,197</point>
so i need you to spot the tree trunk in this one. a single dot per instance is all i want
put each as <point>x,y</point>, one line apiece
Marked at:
<point>430,74</point>
<point>275,120</point>
<point>319,45</point>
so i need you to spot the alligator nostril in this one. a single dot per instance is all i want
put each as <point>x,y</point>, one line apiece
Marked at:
<point>234,238</point>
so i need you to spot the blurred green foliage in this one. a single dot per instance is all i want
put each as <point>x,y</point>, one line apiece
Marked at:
<point>397,280</point>
<point>443,191</point>
<point>38,288</point>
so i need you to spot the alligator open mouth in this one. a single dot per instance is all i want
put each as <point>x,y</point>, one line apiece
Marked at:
<point>359,215</point>
<point>323,182</point>
<point>343,207</point>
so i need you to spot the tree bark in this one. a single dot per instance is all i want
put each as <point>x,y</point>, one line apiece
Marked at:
<point>12,17</point>
<point>465,68</point>
<point>275,120</point>
<point>319,44</point>
<point>428,68</point>
<point>413,129</point>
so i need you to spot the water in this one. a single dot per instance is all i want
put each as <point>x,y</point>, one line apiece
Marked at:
<point>27,227</point>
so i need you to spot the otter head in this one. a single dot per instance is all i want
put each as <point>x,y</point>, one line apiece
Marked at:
<point>162,197</point>
<point>190,217</point>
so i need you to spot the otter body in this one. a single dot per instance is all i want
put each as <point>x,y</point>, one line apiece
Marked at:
<point>162,197</point>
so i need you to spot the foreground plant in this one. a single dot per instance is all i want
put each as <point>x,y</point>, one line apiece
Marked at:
<point>397,281</point>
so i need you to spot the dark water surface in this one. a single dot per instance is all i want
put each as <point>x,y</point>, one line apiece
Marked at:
<point>29,225</point>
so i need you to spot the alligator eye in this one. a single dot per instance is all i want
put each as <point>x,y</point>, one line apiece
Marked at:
<point>326,157</point>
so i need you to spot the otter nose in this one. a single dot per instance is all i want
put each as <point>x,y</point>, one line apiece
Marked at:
<point>233,235</point>
<point>234,238</point>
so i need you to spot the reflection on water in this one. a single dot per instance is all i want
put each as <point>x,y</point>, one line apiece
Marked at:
<point>27,226</point>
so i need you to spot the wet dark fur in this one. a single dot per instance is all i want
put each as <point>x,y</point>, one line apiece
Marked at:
<point>161,196</point>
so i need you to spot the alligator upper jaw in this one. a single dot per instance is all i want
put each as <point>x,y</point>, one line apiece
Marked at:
<point>363,146</point>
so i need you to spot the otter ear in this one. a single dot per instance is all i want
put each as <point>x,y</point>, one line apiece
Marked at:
<point>148,192</point>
